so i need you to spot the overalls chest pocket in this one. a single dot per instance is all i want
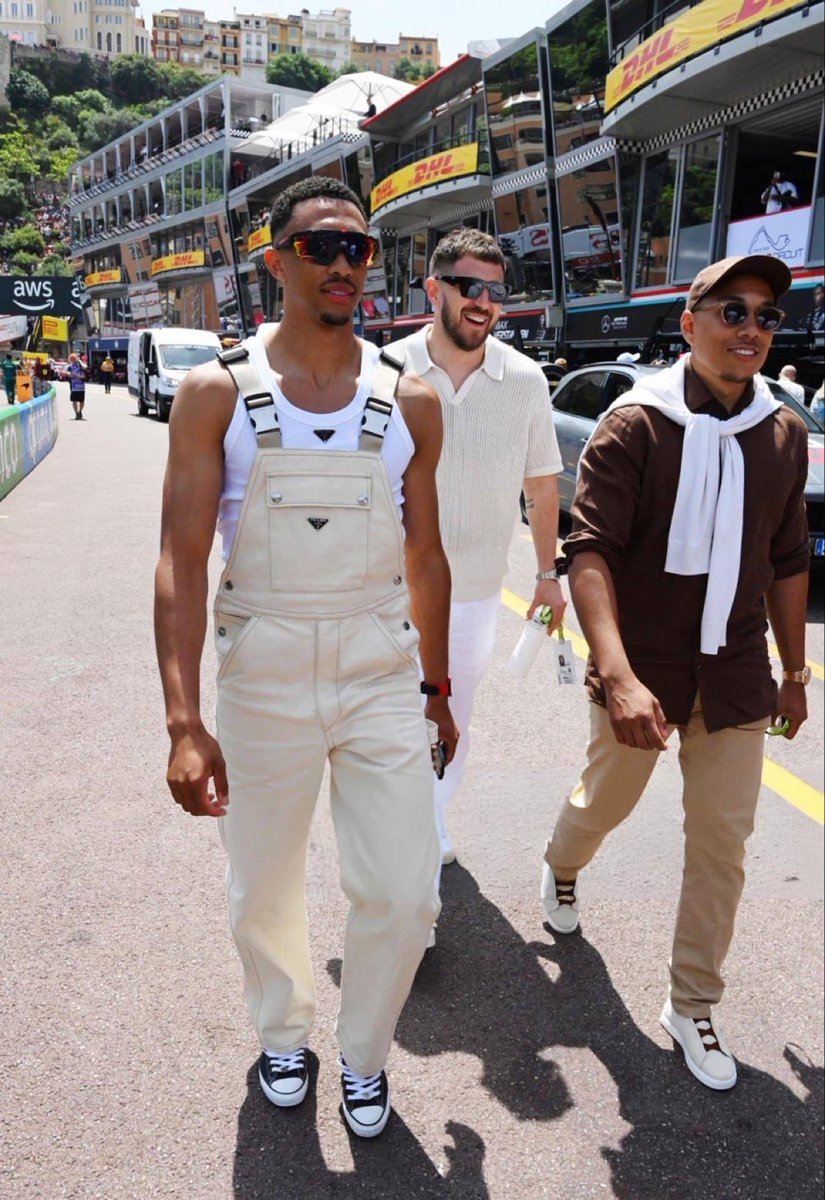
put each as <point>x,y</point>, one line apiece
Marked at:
<point>319,531</point>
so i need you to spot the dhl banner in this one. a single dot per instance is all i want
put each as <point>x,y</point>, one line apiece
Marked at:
<point>55,329</point>
<point>449,164</point>
<point>259,239</point>
<point>98,278</point>
<point>175,262</point>
<point>710,22</point>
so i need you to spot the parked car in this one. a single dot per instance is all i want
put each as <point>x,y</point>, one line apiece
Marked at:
<point>583,395</point>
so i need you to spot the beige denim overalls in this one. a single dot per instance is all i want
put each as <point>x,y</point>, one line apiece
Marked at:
<point>318,664</point>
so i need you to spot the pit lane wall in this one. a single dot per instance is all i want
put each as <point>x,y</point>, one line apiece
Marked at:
<point>27,433</point>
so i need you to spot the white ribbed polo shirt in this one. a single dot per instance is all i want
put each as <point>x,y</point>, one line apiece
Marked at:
<point>498,431</point>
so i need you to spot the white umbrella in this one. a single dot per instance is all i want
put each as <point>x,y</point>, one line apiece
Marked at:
<point>355,92</point>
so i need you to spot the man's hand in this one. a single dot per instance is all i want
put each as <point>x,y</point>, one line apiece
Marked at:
<point>636,716</point>
<point>194,759</point>
<point>793,704</point>
<point>548,591</point>
<point>437,709</point>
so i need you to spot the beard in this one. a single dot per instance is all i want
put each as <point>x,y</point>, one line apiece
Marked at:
<point>464,341</point>
<point>336,319</point>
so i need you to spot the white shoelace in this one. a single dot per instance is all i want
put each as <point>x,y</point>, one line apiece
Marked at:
<point>286,1062</point>
<point>361,1087</point>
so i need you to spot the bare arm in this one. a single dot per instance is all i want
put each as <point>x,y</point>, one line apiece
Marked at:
<point>787,601</point>
<point>635,714</point>
<point>191,492</point>
<point>541,499</point>
<point>428,571</point>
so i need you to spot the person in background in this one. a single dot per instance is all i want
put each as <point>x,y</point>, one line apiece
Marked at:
<point>77,385</point>
<point>787,377</point>
<point>498,440</point>
<point>673,597</point>
<point>780,194</point>
<point>9,368</point>
<point>107,372</point>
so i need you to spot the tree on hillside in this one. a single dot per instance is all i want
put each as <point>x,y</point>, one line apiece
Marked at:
<point>95,129</point>
<point>350,68</point>
<point>27,94</point>
<point>298,71</point>
<point>13,201</point>
<point>64,76</point>
<point>178,82</point>
<point>17,155</point>
<point>26,240</point>
<point>135,78</point>
<point>92,98</point>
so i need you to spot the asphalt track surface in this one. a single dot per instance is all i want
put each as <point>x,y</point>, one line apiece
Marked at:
<point>525,1065</point>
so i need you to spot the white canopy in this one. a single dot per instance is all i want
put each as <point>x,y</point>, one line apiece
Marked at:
<point>337,108</point>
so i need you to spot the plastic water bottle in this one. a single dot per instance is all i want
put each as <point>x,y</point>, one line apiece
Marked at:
<point>533,637</point>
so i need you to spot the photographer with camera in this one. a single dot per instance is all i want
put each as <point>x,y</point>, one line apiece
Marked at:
<point>780,194</point>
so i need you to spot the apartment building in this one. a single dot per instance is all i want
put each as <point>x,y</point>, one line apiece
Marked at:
<point>383,57</point>
<point>327,36</point>
<point>103,27</point>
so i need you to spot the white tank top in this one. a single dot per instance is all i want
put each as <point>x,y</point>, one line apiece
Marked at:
<point>298,426</point>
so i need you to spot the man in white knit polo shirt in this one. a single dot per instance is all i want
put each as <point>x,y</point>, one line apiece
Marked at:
<point>498,439</point>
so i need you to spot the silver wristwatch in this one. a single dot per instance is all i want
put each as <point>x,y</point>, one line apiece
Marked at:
<point>542,575</point>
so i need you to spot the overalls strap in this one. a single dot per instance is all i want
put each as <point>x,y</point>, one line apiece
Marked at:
<point>259,401</point>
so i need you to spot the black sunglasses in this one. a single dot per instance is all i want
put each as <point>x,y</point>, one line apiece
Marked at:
<point>471,288</point>
<point>736,312</point>
<point>323,246</point>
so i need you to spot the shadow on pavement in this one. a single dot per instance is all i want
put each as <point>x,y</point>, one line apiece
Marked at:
<point>486,992</point>
<point>489,993</point>
<point>278,1157</point>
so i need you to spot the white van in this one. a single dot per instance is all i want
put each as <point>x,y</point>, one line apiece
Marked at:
<point>158,361</point>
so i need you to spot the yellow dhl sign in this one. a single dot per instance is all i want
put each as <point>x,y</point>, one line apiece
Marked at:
<point>176,262</point>
<point>450,164</point>
<point>98,278</point>
<point>55,329</point>
<point>711,22</point>
<point>259,239</point>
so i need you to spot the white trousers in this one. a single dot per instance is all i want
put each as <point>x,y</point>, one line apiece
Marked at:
<point>472,637</point>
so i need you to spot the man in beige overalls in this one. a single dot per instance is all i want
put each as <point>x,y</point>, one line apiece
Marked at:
<point>322,480</point>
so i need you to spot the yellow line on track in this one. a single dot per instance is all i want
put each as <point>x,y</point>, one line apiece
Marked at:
<point>784,783</point>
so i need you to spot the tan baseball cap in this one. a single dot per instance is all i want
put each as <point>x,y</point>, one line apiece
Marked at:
<point>771,269</point>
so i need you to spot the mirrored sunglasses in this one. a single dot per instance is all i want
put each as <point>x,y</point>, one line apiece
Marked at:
<point>471,288</point>
<point>736,312</point>
<point>322,246</point>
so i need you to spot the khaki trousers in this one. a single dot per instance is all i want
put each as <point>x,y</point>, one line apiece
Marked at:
<point>721,779</point>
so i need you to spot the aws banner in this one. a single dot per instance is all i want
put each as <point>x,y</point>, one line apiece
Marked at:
<point>705,25</point>
<point>450,164</point>
<point>38,296</point>
<point>27,434</point>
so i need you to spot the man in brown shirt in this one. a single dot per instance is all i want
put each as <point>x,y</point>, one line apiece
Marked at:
<point>688,524</point>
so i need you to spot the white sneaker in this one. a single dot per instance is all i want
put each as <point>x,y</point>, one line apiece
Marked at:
<point>706,1054</point>
<point>559,902</point>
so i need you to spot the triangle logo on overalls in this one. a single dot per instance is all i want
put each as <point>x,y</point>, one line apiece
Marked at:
<point>318,522</point>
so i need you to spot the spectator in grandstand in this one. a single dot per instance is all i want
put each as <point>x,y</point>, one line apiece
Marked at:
<point>780,194</point>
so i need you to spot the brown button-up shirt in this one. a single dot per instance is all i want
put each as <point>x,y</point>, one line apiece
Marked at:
<point>624,503</point>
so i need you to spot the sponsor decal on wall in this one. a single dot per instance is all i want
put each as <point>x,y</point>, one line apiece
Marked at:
<point>706,25</point>
<point>178,262</point>
<point>100,278</point>
<point>782,234</point>
<point>27,434</point>
<point>259,239</point>
<point>450,164</point>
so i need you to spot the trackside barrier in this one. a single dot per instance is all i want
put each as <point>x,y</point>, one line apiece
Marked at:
<point>27,434</point>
